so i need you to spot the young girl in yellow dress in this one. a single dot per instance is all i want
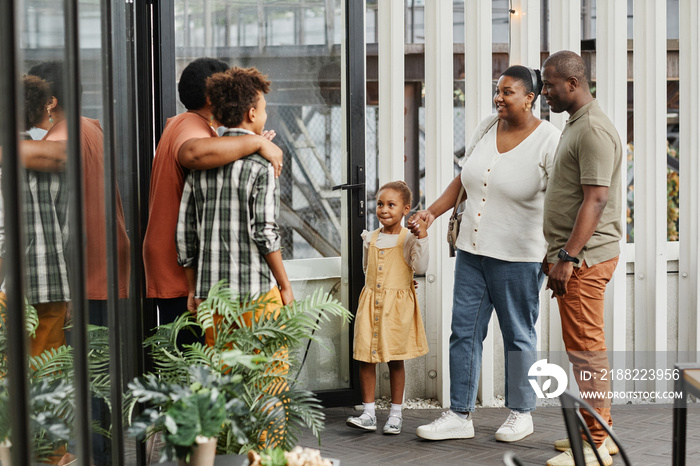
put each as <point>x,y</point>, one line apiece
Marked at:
<point>388,324</point>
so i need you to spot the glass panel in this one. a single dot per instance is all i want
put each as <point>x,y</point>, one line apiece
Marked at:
<point>672,123</point>
<point>500,21</point>
<point>297,45</point>
<point>42,42</point>
<point>46,208</point>
<point>588,19</point>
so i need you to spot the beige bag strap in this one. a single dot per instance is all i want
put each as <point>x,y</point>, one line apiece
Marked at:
<point>467,154</point>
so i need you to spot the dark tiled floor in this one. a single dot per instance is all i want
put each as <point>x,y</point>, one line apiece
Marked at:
<point>645,432</point>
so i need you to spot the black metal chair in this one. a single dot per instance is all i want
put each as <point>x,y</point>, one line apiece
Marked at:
<point>509,459</point>
<point>575,424</point>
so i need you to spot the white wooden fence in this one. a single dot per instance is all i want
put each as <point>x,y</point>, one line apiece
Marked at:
<point>646,311</point>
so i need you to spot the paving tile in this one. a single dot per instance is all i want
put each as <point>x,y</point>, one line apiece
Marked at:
<point>645,432</point>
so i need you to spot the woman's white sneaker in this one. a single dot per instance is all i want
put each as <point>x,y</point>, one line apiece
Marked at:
<point>447,426</point>
<point>517,427</point>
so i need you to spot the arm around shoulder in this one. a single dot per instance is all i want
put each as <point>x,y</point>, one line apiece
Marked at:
<point>44,156</point>
<point>213,152</point>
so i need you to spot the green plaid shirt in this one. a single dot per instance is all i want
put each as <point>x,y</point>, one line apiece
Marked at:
<point>227,224</point>
<point>46,237</point>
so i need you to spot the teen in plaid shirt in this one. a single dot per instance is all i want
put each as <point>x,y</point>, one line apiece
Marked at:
<point>227,225</point>
<point>45,229</point>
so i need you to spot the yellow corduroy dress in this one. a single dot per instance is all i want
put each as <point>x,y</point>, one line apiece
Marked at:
<point>388,324</point>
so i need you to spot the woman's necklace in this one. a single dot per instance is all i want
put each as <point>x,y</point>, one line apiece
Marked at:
<point>209,120</point>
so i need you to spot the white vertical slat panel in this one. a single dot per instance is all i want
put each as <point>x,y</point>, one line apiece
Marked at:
<point>689,172</point>
<point>478,83</point>
<point>438,174</point>
<point>390,166</point>
<point>650,179</point>
<point>525,35</point>
<point>611,92</point>
<point>565,34</point>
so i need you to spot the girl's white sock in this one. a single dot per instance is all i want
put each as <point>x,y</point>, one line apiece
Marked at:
<point>368,408</point>
<point>395,410</point>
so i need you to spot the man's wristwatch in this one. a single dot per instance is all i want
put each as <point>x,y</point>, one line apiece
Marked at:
<point>563,255</point>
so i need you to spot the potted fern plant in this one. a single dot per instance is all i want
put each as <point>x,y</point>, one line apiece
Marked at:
<point>251,359</point>
<point>190,415</point>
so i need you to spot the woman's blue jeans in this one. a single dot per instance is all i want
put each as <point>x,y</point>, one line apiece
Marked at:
<point>482,283</point>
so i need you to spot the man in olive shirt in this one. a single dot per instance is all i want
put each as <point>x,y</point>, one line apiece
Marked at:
<point>582,225</point>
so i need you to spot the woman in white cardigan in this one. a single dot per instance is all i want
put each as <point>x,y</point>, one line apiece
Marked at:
<point>499,250</point>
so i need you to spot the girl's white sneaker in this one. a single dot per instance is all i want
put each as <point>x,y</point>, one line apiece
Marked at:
<point>364,421</point>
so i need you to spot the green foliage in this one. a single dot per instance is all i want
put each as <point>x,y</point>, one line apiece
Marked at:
<point>253,349</point>
<point>185,412</point>
<point>31,322</point>
<point>273,457</point>
<point>672,197</point>
<point>49,401</point>
<point>51,390</point>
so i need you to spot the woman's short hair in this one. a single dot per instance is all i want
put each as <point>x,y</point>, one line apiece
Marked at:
<point>235,91</point>
<point>52,73</point>
<point>531,79</point>
<point>193,81</point>
<point>37,94</point>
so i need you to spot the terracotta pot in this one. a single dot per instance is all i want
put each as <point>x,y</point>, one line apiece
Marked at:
<point>5,457</point>
<point>203,453</point>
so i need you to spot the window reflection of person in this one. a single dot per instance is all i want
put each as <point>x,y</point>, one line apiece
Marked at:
<point>45,228</point>
<point>92,153</point>
<point>189,142</point>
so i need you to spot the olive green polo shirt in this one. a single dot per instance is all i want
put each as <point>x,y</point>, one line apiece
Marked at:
<point>589,153</point>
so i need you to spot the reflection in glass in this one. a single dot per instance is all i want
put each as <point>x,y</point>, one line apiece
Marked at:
<point>297,45</point>
<point>43,51</point>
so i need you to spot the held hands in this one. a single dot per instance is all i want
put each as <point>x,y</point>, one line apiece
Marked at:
<point>420,222</point>
<point>559,275</point>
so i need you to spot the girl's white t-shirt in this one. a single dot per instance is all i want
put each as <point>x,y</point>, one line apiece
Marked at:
<point>505,195</point>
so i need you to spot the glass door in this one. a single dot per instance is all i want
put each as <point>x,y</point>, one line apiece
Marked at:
<point>299,47</point>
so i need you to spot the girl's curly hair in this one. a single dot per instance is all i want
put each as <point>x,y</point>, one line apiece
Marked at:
<point>235,91</point>
<point>400,187</point>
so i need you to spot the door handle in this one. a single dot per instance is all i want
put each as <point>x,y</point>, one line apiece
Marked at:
<point>352,187</point>
<point>348,187</point>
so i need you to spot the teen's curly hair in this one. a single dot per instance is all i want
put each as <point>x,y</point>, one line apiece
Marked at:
<point>235,91</point>
<point>37,94</point>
